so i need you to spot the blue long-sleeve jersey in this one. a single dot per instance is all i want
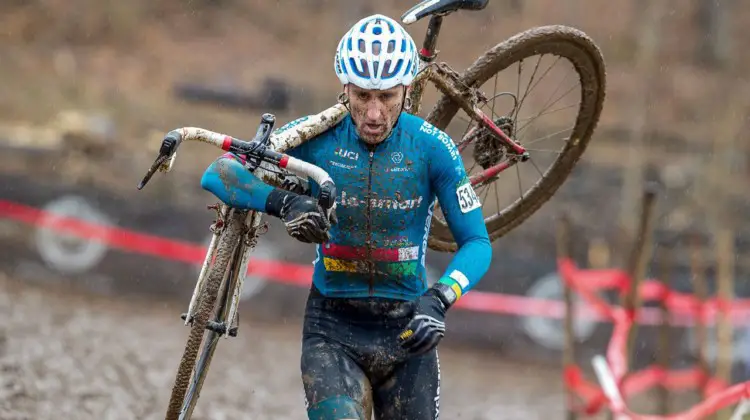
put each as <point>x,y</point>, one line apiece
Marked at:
<point>386,198</point>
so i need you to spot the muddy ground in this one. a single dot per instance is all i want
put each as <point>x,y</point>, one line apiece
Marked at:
<point>66,355</point>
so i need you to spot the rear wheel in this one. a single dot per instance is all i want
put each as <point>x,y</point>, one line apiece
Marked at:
<point>516,199</point>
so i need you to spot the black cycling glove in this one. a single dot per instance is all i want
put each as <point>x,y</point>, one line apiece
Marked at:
<point>427,326</point>
<point>295,184</point>
<point>304,219</point>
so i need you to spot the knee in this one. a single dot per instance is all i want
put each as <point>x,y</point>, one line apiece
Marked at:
<point>336,408</point>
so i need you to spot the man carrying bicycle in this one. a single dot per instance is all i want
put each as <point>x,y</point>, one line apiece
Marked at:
<point>372,324</point>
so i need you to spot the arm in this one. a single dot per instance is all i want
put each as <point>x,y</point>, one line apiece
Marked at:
<point>463,213</point>
<point>234,185</point>
<point>228,180</point>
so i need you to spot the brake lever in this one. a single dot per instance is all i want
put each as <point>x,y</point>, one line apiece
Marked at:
<point>152,170</point>
<point>258,146</point>
<point>327,195</point>
<point>267,122</point>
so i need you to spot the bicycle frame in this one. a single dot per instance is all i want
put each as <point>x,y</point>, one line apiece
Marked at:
<point>300,131</point>
<point>448,82</point>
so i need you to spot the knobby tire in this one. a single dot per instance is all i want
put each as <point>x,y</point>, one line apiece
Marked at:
<point>228,241</point>
<point>587,59</point>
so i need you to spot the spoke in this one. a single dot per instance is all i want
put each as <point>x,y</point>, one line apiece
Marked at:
<point>557,152</point>
<point>494,97</point>
<point>539,81</point>
<point>518,85</point>
<point>531,80</point>
<point>530,119</point>
<point>485,107</point>
<point>545,73</point>
<point>520,189</point>
<point>482,188</point>
<point>463,119</point>
<point>547,136</point>
<point>536,167</point>
<point>468,126</point>
<point>486,192</point>
<point>558,85</point>
<point>474,165</point>
<point>557,89</point>
<point>497,197</point>
<point>542,112</point>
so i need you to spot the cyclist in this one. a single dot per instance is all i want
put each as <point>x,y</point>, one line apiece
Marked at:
<point>372,323</point>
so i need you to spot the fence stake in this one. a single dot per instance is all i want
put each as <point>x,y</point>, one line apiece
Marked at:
<point>725,294</point>
<point>639,253</point>
<point>700,288</point>
<point>563,251</point>
<point>664,347</point>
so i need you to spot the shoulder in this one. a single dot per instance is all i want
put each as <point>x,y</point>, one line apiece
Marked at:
<point>435,141</point>
<point>290,130</point>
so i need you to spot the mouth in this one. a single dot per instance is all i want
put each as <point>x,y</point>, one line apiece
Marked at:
<point>373,129</point>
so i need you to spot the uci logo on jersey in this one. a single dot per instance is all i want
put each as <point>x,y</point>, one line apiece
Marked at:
<point>346,153</point>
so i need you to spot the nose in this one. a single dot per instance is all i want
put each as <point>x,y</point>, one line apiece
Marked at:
<point>374,111</point>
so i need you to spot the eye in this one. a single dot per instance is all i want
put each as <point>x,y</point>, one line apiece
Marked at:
<point>387,96</point>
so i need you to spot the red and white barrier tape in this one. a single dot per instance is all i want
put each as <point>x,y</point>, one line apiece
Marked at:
<point>277,271</point>
<point>612,372</point>
<point>299,275</point>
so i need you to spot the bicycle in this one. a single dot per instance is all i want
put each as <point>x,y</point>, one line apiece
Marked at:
<point>496,142</point>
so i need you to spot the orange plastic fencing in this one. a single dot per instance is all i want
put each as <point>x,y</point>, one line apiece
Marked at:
<point>587,283</point>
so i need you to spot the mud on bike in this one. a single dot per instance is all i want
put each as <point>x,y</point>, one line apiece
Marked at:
<point>492,142</point>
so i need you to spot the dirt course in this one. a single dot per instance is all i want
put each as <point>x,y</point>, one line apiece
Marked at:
<point>66,355</point>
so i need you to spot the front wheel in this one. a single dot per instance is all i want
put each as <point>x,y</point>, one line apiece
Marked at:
<point>516,198</point>
<point>190,375</point>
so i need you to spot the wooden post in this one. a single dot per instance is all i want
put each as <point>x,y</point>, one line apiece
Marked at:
<point>568,358</point>
<point>698,274</point>
<point>646,63</point>
<point>664,347</point>
<point>725,293</point>
<point>640,251</point>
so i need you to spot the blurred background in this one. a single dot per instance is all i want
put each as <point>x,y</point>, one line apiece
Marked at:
<point>88,88</point>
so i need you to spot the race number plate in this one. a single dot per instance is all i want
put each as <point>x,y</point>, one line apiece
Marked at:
<point>467,198</point>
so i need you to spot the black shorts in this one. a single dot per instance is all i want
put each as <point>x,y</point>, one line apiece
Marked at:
<point>352,363</point>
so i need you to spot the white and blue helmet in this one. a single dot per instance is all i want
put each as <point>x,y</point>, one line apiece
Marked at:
<point>376,53</point>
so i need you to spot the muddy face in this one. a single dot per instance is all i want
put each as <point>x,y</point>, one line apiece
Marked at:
<point>374,112</point>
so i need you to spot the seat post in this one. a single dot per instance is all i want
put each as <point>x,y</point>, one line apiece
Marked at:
<point>428,52</point>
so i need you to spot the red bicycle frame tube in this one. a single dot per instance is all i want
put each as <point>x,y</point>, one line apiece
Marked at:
<point>500,167</point>
<point>517,148</point>
<point>427,55</point>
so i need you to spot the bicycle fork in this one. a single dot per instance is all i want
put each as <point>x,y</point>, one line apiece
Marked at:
<point>246,247</point>
<point>236,274</point>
